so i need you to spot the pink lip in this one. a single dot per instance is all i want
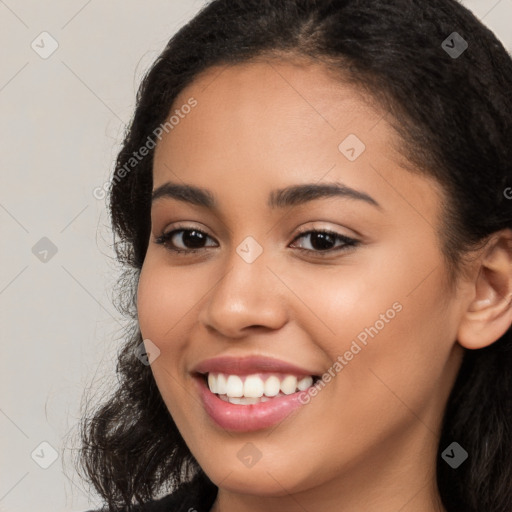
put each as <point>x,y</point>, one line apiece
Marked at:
<point>244,418</point>
<point>249,365</point>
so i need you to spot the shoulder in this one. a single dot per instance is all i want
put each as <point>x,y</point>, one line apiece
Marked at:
<point>197,495</point>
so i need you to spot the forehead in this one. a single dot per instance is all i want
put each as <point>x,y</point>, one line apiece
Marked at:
<point>274,109</point>
<point>269,88</point>
<point>267,124</point>
<point>265,79</point>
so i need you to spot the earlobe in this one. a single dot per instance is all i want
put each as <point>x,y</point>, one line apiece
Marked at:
<point>489,313</point>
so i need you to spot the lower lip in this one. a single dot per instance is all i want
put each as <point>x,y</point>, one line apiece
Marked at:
<point>245,418</point>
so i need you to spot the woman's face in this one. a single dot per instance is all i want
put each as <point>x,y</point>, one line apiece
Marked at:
<point>376,316</point>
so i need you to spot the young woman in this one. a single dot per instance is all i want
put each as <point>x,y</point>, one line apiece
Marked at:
<point>313,204</point>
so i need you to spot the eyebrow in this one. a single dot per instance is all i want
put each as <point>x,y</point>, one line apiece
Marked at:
<point>281,198</point>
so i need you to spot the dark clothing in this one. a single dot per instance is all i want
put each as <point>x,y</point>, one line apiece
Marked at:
<point>198,495</point>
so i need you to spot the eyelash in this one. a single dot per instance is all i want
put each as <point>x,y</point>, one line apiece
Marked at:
<point>348,242</point>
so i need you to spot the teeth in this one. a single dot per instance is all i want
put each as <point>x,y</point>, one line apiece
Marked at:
<point>244,400</point>
<point>212,383</point>
<point>221,384</point>
<point>272,386</point>
<point>234,386</point>
<point>305,383</point>
<point>289,385</point>
<point>254,389</point>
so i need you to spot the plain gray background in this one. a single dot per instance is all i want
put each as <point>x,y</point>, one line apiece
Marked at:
<point>62,121</point>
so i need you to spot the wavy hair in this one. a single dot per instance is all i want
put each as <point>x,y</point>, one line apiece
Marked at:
<point>454,118</point>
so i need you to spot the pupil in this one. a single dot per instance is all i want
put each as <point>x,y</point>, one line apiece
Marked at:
<point>322,237</point>
<point>188,239</point>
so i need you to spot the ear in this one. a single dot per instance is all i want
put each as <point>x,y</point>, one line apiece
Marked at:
<point>489,312</point>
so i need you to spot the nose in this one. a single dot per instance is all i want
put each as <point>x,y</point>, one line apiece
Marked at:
<point>246,296</point>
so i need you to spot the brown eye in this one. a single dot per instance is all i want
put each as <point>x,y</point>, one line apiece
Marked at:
<point>190,240</point>
<point>324,241</point>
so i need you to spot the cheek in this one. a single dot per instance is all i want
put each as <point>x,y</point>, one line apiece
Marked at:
<point>390,321</point>
<point>152,300</point>
<point>164,297</point>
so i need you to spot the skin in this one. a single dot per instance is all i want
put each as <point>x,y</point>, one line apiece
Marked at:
<point>368,440</point>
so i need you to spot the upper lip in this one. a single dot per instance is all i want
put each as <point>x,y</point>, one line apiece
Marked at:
<point>249,365</point>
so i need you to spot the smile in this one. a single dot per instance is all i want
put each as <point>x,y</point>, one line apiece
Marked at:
<point>255,388</point>
<point>251,402</point>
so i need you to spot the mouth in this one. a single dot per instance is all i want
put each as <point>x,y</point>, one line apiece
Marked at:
<point>244,413</point>
<point>257,387</point>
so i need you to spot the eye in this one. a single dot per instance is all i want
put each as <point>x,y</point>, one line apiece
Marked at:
<point>321,241</point>
<point>192,237</point>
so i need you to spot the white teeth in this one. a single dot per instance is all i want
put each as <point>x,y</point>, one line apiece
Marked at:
<point>272,385</point>
<point>221,384</point>
<point>305,383</point>
<point>289,384</point>
<point>234,386</point>
<point>244,400</point>
<point>254,389</point>
<point>212,383</point>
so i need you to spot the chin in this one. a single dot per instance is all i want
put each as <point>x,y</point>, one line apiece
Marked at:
<point>262,479</point>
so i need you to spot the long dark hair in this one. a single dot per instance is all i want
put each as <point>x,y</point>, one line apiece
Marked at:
<point>454,116</point>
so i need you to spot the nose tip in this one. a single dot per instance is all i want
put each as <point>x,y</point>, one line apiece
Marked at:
<point>247,296</point>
